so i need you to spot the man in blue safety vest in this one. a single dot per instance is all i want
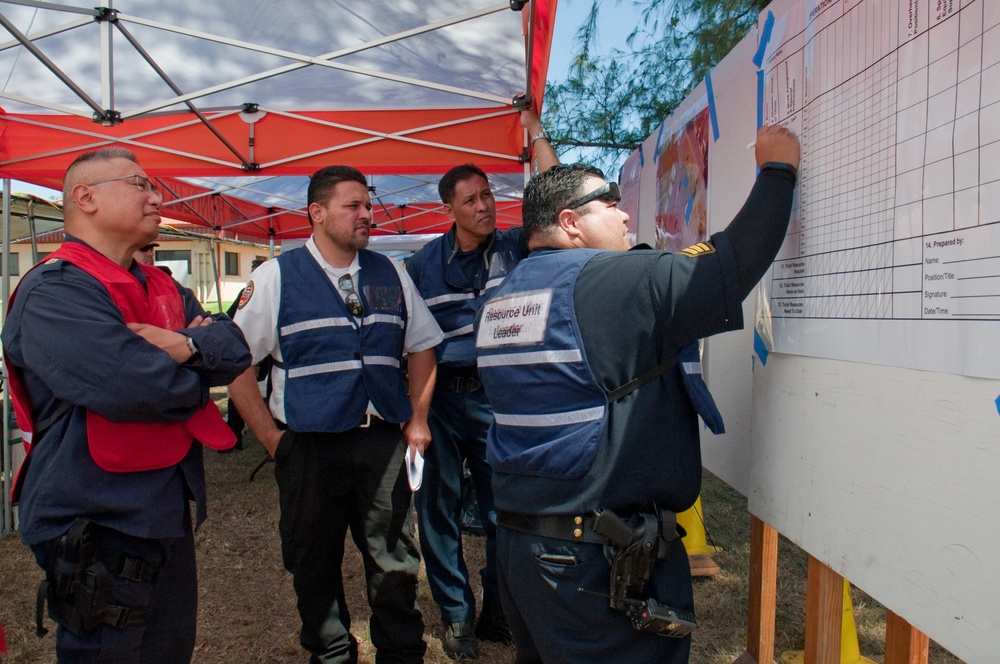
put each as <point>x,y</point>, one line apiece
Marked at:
<point>595,445</point>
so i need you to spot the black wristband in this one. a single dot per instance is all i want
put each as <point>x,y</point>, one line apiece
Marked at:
<point>780,166</point>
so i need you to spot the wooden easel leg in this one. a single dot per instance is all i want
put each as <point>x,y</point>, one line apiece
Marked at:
<point>824,614</point>
<point>763,594</point>
<point>903,643</point>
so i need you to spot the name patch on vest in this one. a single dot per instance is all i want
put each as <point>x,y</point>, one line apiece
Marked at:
<point>520,318</point>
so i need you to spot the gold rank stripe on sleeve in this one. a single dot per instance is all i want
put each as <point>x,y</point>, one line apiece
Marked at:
<point>700,249</point>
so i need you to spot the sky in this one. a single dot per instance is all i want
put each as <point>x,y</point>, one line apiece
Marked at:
<point>616,21</point>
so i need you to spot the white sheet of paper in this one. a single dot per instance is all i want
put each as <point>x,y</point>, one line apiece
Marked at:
<point>414,468</point>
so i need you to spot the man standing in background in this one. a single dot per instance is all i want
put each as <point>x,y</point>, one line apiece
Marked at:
<point>455,274</point>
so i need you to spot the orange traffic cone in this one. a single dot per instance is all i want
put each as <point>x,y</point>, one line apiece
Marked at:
<point>695,541</point>
<point>850,652</point>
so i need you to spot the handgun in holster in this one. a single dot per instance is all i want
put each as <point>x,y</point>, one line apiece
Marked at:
<point>77,585</point>
<point>632,550</point>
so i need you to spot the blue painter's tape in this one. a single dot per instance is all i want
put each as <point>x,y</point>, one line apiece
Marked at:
<point>711,107</point>
<point>659,135</point>
<point>765,37</point>
<point>760,99</point>
<point>997,402</point>
<point>761,349</point>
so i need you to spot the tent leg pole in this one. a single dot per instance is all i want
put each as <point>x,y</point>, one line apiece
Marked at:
<point>6,472</point>
<point>215,272</point>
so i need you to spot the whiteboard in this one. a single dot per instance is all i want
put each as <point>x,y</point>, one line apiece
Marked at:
<point>884,469</point>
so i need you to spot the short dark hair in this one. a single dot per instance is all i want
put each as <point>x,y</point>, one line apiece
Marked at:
<point>103,154</point>
<point>325,180</point>
<point>547,194</point>
<point>446,186</point>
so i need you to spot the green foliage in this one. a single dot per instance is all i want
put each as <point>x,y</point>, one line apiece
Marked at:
<point>610,104</point>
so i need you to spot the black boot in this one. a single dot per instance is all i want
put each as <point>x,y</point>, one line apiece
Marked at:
<point>492,624</point>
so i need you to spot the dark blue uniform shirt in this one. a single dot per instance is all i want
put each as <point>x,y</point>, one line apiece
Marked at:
<point>70,341</point>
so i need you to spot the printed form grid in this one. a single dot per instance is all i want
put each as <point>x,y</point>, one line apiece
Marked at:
<point>901,144</point>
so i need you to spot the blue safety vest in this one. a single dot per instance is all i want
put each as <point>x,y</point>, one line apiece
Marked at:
<point>334,363</point>
<point>549,410</point>
<point>452,297</point>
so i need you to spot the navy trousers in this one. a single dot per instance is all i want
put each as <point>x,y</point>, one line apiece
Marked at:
<point>171,600</point>
<point>458,423</point>
<point>553,622</point>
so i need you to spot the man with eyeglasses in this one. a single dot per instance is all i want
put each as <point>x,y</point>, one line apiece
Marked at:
<point>110,364</point>
<point>337,320</point>
<point>595,445</point>
<point>455,274</point>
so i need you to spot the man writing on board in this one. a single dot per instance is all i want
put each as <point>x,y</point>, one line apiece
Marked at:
<point>595,444</point>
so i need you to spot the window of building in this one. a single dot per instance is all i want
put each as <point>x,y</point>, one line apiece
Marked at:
<point>15,263</point>
<point>232,261</point>
<point>174,255</point>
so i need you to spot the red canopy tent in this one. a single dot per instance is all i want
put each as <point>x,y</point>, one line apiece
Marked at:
<point>231,104</point>
<point>241,95</point>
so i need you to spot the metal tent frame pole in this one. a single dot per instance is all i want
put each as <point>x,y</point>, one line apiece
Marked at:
<point>6,472</point>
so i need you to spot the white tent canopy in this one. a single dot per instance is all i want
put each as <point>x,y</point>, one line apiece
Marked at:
<point>205,92</point>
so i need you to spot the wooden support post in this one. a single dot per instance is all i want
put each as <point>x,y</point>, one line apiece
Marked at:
<point>824,614</point>
<point>763,594</point>
<point>903,643</point>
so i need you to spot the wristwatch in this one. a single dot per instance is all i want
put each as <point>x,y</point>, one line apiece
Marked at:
<point>195,353</point>
<point>539,135</point>
<point>780,166</point>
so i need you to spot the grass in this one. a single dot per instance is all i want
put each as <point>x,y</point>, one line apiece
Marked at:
<point>247,607</point>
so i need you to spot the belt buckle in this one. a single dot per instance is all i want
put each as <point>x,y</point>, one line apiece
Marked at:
<point>367,423</point>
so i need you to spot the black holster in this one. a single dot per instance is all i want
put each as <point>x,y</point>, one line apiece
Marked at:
<point>633,549</point>
<point>77,583</point>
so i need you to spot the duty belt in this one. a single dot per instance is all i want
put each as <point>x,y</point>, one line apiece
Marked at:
<point>458,384</point>
<point>458,379</point>
<point>604,527</point>
<point>575,528</point>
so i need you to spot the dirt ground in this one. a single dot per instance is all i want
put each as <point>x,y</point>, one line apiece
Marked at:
<point>247,606</point>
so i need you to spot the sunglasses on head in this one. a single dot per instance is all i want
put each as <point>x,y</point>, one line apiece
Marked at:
<point>609,193</point>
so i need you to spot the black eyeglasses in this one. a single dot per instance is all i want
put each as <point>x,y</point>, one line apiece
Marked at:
<point>141,183</point>
<point>352,300</point>
<point>609,193</point>
<point>148,247</point>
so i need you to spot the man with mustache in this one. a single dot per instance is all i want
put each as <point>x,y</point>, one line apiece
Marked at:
<point>336,320</point>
